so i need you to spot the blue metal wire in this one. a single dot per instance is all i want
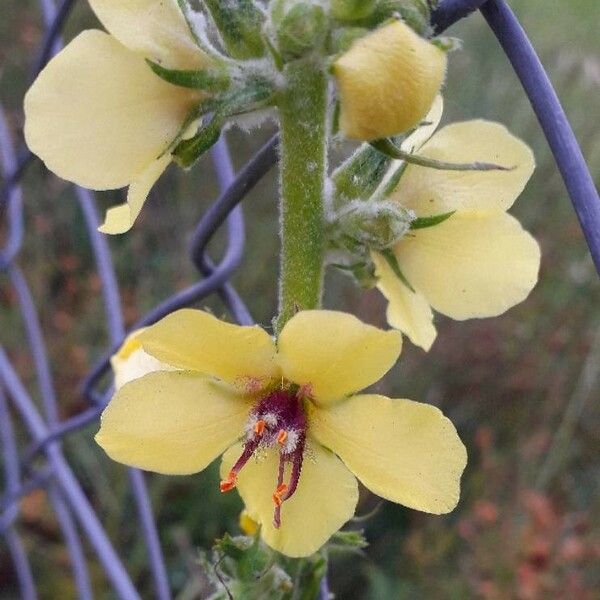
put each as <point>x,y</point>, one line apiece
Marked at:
<point>46,431</point>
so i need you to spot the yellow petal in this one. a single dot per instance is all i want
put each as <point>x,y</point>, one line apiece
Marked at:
<point>155,28</point>
<point>131,362</point>
<point>195,340</point>
<point>334,354</point>
<point>423,133</point>
<point>387,82</point>
<point>431,191</point>
<point>472,265</point>
<point>324,500</point>
<point>98,116</point>
<point>405,451</point>
<point>407,311</point>
<point>247,524</point>
<point>174,423</point>
<point>120,219</point>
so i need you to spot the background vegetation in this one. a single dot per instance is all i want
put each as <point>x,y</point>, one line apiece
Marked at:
<point>522,389</point>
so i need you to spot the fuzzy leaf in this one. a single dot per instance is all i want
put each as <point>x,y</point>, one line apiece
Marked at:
<point>207,79</point>
<point>424,222</point>
<point>240,24</point>
<point>389,148</point>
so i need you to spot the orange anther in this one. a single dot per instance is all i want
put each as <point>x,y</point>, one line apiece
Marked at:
<point>259,428</point>
<point>282,436</point>
<point>279,492</point>
<point>228,484</point>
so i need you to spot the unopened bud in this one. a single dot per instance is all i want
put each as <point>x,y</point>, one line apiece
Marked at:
<point>387,82</point>
<point>375,225</point>
<point>302,29</point>
<point>352,10</point>
<point>342,39</point>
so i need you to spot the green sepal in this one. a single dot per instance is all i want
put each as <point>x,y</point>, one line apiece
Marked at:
<point>253,94</point>
<point>392,183</point>
<point>352,10</point>
<point>349,539</point>
<point>187,152</point>
<point>335,118</point>
<point>302,29</point>
<point>424,222</point>
<point>392,261</point>
<point>204,44</point>
<point>208,80</point>
<point>359,176</point>
<point>275,54</point>
<point>374,225</point>
<point>309,581</point>
<point>342,39</point>
<point>447,44</point>
<point>389,148</point>
<point>363,272</point>
<point>240,24</point>
<point>244,567</point>
<point>415,13</point>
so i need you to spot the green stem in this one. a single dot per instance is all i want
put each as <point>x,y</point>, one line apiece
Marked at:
<point>302,110</point>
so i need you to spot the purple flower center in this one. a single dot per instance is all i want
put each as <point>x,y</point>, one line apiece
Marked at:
<point>278,420</point>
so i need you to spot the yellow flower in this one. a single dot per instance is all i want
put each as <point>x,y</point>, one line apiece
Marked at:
<point>479,262</point>
<point>288,419</point>
<point>98,116</point>
<point>387,82</point>
<point>132,362</point>
<point>247,524</point>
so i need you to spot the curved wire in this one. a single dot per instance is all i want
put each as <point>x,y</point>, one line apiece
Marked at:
<point>46,433</point>
<point>552,118</point>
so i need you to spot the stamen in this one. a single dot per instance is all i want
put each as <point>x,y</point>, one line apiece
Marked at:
<point>296,467</point>
<point>259,428</point>
<point>278,494</point>
<point>277,499</point>
<point>282,436</point>
<point>228,484</point>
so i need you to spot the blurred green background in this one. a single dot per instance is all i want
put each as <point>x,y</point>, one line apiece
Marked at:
<point>522,389</point>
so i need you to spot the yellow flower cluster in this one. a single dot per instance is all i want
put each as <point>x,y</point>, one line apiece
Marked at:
<point>287,415</point>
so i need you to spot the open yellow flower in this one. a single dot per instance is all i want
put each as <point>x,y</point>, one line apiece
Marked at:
<point>132,361</point>
<point>293,430</point>
<point>387,82</point>
<point>98,116</point>
<point>480,261</point>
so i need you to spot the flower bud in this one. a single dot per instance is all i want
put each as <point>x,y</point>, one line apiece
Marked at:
<point>303,28</point>
<point>375,225</point>
<point>352,10</point>
<point>387,82</point>
<point>342,39</point>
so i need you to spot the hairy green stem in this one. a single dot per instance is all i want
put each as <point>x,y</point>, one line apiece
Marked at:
<point>302,110</point>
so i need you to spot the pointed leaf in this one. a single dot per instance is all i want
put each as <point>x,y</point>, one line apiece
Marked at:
<point>387,147</point>
<point>390,258</point>
<point>424,222</point>
<point>207,79</point>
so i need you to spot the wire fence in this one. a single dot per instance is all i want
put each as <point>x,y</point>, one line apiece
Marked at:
<point>40,463</point>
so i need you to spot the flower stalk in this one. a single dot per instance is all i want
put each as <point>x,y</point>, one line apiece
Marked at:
<point>303,116</point>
